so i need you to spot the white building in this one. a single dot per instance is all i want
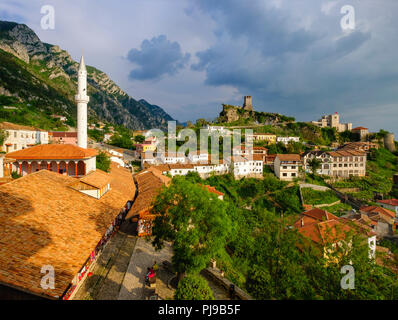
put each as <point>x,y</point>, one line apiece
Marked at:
<point>117,157</point>
<point>107,137</point>
<point>243,167</point>
<point>341,163</point>
<point>180,169</point>
<point>172,158</point>
<point>286,166</point>
<point>147,158</point>
<point>21,137</point>
<point>286,140</point>
<point>333,121</point>
<point>218,129</point>
<point>197,156</point>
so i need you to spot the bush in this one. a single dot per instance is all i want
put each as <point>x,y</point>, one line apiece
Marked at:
<point>193,287</point>
<point>103,162</point>
<point>315,197</point>
<point>15,175</point>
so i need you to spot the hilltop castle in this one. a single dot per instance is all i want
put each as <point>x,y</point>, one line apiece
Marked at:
<point>247,103</point>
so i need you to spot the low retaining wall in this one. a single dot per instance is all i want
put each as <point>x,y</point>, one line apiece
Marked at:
<point>348,190</point>
<point>314,187</point>
<point>215,274</point>
<point>326,204</point>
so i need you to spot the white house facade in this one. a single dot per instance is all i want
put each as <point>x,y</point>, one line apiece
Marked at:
<point>22,137</point>
<point>286,166</point>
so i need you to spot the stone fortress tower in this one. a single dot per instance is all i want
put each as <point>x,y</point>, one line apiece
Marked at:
<point>82,99</point>
<point>247,103</point>
<point>389,142</point>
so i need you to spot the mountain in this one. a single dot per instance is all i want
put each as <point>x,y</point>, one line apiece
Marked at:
<point>44,77</point>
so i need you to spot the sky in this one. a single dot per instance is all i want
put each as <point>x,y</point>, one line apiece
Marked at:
<point>302,58</point>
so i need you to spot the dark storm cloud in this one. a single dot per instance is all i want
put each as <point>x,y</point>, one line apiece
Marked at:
<point>157,57</point>
<point>294,58</point>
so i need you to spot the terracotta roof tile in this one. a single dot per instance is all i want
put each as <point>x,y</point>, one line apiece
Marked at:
<point>44,222</point>
<point>149,183</point>
<point>391,202</point>
<point>97,179</point>
<point>289,157</point>
<point>213,190</point>
<point>379,210</point>
<point>58,134</point>
<point>53,152</point>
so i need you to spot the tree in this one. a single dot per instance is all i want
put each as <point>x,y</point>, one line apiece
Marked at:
<point>3,136</point>
<point>121,141</point>
<point>193,287</point>
<point>103,162</point>
<point>139,138</point>
<point>194,220</point>
<point>314,164</point>
<point>95,134</point>
<point>200,123</point>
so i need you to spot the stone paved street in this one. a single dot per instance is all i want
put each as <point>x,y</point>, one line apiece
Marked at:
<point>144,255</point>
<point>109,270</point>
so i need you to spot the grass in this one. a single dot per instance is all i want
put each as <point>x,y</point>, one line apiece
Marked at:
<point>338,209</point>
<point>315,197</point>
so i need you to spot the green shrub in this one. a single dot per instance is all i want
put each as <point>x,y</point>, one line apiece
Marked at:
<point>193,287</point>
<point>315,197</point>
<point>15,175</point>
<point>103,162</point>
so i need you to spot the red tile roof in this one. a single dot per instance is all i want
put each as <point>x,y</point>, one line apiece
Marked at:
<point>213,190</point>
<point>314,216</point>
<point>331,231</point>
<point>53,152</point>
<point>45,222</point>
<point>391,202</point>
<point>376,209</point>
<point>289,157</point>
<point>57,134</point>
<point>149,183</point>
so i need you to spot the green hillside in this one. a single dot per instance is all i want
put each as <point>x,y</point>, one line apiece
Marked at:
<point>43,79</point>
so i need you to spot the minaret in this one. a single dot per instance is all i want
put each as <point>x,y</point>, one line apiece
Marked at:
<point>82,99</point>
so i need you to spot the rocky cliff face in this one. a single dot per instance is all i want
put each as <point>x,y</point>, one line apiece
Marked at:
<point>52,68</point>
<point>231,114</point>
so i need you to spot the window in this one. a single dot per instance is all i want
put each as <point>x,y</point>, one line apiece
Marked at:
<point>15,134</point>
<point>293,167</point>
<point>284,167</point>
<point>15,147</point>
<point>285,174</point>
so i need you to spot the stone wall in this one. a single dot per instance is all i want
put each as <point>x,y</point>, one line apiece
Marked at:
<point>215,274</point>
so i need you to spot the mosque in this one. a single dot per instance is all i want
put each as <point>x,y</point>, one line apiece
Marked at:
<point>66,159</point>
